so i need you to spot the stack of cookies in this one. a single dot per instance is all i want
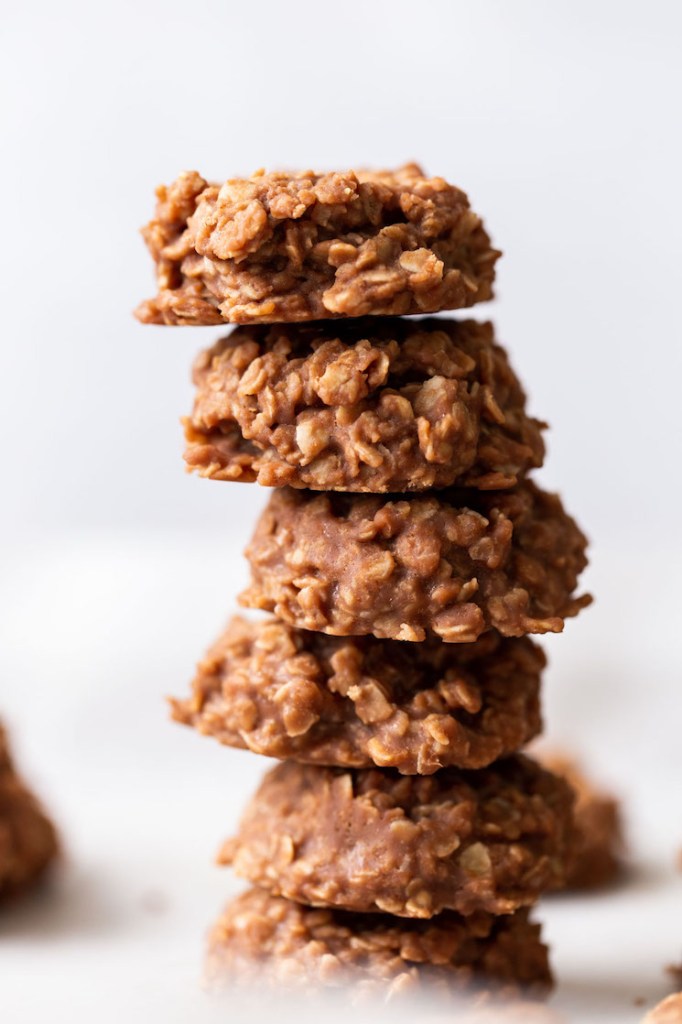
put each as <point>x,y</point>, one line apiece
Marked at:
<point>406,557</point>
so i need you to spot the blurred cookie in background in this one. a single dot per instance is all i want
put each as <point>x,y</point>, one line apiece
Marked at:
<point>600,853</point>
<point>28,840</point>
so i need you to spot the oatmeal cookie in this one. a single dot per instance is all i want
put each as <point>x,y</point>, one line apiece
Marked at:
<point>367,840</point>
<point>286,247</point>
<point>599,828</point>
<point>358,701</point>
<point>669,1011</point>
<point>263,937</point>
<point>373,405</point>
<point>28,841</point>
<point>453,564</point>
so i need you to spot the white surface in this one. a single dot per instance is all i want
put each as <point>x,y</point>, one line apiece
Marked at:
<point>561,120</point>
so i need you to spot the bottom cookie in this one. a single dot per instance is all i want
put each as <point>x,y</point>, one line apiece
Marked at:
<point>28,841</point>
<point>267,938</point>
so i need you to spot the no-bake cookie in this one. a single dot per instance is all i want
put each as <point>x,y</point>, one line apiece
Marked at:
<point>373,405</point>
<point>599,828</point>
<point>669,1011</point>
<point>359,701</point>
<point>261,937</point>
<point>28,841</point>
<point>287,247</point>
<point>371,840</point>
<point>453,564</point>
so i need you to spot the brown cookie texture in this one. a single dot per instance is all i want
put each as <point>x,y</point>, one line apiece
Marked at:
<point>28,841</point>
<point>262,938</point>
<point>599,828</point>
<point>371,840</point>
<point>359,701</point>
<point>452,564</point>
<point>668,1011</point>
<point>362,405</point>
<point>287,247</point>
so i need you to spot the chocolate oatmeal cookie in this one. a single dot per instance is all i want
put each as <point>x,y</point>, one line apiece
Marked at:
<point>365,840</point>
<point>453,564</point>
<point>373,405</point>
<point>288,247</point>
<point>599,828</point>
<point>28,841</point>
<point>262,937</point>
<point>358,701</point>
<point>668,1011</point>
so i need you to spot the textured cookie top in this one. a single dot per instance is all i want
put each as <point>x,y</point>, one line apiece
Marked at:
<point>288,247</point>
<point>366,840</point>
<point>28,841</point>
<point>373,405</point>
<point>262,937</point>
<point>359,701</point>
<point>454,563</point>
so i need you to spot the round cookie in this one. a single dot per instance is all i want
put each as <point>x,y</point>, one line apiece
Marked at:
<point>285,247</point>
<point>264,938</point>
<point>359,701</point>
<point>668,1011</point>
<point>491,840</point>
<point>28,841</point>
<point>362,405</point>
<point>599,829</point>
<point>453,564</point>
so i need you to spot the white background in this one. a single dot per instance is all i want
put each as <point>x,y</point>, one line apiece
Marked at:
<point>562,122</point>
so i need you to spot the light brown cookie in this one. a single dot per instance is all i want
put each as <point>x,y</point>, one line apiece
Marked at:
<point>264,938</point>
<point>669,1011</point>
<point>280,247</point>
<point>359,701</point>
<point>453,563</point>
<point>28,841</point>
<point>375,405</point>
<point>370,840</point>
<point>599,851</point>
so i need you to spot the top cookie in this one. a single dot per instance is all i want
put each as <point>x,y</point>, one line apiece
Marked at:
<point>302,246</point>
